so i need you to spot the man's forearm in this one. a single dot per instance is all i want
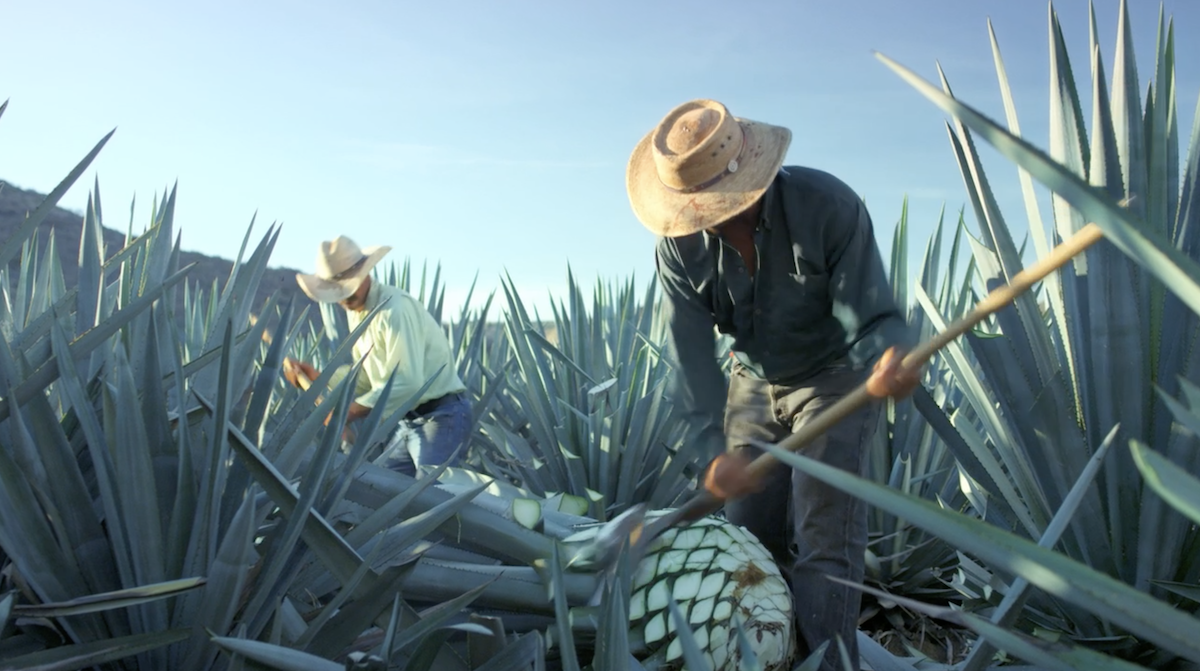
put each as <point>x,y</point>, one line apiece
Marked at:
<point>357,411</point>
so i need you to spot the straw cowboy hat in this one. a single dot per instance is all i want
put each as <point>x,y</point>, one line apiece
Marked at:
<point>700,166</point>
<point>341,267</point>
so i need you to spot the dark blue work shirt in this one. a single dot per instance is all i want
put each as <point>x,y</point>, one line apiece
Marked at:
<point>819,296</point>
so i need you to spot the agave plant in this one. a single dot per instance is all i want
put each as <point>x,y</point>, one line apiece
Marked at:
<point>1043,390</point>
<point>910,455</point>
<point>168,503</point>
<point>157,493</point>
<point>551,467</point>
<point>583,415</point>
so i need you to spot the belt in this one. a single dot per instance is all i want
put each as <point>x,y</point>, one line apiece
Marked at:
<point>433,404</point>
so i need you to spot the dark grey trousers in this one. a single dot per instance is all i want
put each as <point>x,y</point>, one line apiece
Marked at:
<point>811,529</point>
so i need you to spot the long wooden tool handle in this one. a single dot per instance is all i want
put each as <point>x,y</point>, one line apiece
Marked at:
<point>1003,295</point>
<point>705,503</point>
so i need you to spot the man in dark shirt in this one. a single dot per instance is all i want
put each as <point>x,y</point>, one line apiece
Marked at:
<point>784,261</point>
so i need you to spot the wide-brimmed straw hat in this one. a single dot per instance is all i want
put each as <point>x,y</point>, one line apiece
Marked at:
<point>700,166</point>
<point>341,267</point>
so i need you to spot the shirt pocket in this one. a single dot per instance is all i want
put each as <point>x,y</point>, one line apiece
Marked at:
<point>805,294</point>
<point>799,307</point>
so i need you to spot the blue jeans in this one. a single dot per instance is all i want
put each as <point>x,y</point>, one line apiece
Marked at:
<point>811,529</point>
<point>430,436</point>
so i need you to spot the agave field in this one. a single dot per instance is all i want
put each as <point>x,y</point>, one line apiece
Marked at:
<point>167,501</point>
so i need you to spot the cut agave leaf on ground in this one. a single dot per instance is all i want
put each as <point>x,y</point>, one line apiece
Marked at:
<point>525,652</point>
<point>570,504</point>
<point>468,477</point>
<point>109,600</point>
<point>475,526</point>
<point>527,513</point>
<point>564,639</point>
<point>1072,581</point>
<point>436,617</point>
<point>360,614</point>
<point>96,653</point>
<point>869,649</point>
<point>275,656</point>
<point>1053,655</point>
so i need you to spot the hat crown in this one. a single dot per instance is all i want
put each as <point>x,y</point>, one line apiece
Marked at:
<point>337,258</point>
<point>700,165</point>
<point>696,144</point>
<point>690,129</point>
<point>341,268</point>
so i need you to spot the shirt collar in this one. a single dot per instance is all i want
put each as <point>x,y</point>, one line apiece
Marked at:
<point>769,206</point>
<point>373,296</point>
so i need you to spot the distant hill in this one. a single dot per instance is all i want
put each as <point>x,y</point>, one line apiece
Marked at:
<point>67,226</point>
<point>16,203</point>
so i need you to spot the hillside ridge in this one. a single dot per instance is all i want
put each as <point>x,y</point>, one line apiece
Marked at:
<point>67,226</point>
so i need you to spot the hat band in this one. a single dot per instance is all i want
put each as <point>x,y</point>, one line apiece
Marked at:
<point>730,168</point>
<point>351,270</point>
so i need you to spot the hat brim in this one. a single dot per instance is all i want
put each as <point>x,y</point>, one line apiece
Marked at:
<point>335,291</point>
<point>670,213</point>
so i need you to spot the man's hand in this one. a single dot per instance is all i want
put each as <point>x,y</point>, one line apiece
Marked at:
<point>891,377</point>
<point>292,369</point>
<point>356,412</point>
<point>727,478</point>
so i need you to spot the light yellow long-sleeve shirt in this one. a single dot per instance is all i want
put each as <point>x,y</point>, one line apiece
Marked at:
<point>403,337</point>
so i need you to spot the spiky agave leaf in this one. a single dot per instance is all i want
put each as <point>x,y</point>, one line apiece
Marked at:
<point>523,467</point>
<point>910,454</point>
<point>596,425</point>
<point>1121,318</point>
<point>129,441</point>
<point>1073,581</point>
<point>166,413</point>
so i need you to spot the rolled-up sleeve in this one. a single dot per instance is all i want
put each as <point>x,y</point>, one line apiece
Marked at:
<point>698,387</point>
<point>361,385</point>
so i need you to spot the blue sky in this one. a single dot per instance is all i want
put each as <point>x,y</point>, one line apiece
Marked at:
<point>492,136</point>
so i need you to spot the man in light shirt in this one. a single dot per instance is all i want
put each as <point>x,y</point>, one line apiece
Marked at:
<point>403,340</point>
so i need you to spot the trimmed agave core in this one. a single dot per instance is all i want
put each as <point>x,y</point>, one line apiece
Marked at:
<point>717,572</point>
